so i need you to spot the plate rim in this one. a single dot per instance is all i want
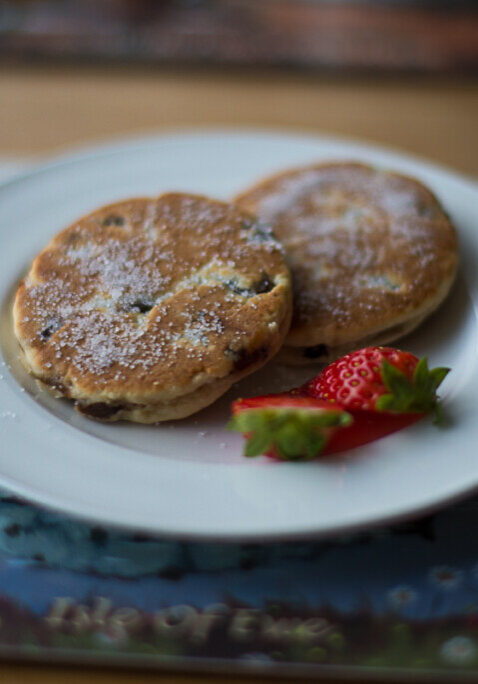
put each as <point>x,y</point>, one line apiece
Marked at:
<point>106,145</point>
<point>30,496</point>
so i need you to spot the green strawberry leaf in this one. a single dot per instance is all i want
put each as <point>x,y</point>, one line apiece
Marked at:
<point>415,396</point>
<point>289,441</point>
<point>438,375</point>
<point>397,383</point>
<point>257,444</point>
<point>315,445</point>
<point>439,418</point>
<point>387,402</point>
<point>421,373</point>
<point>293,433</point>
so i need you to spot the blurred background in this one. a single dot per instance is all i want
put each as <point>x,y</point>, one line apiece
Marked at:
<point>399,72</point>
<point>420,35</point>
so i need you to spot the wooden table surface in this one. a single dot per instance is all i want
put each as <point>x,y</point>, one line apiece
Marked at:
<point>44,110</point>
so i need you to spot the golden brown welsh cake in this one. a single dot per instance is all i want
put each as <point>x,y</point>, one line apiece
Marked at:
<point>372,253</point>
<point>150,309</point>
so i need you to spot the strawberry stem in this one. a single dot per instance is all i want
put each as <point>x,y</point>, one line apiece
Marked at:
<point>291,433</point>
<point>412,396</point>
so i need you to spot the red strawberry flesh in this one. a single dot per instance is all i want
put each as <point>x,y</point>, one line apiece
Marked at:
<point>368,426</point>
<point>355,381</point>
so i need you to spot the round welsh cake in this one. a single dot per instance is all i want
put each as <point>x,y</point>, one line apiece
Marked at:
<point>372,253</point>
<point>150,309</point>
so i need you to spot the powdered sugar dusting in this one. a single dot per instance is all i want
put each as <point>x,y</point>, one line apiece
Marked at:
<point>356,236</point>
<point>147,288</point>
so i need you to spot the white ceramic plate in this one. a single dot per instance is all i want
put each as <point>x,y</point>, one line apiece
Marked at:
<point>188,478</point>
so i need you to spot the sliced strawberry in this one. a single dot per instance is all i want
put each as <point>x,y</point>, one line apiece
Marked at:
<point>360,398</point>
<point>368,426</point>
<point>380,379</point>
<point>286,426</point>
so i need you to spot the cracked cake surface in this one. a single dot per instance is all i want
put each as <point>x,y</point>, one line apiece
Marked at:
<point>150,308</point>
<point>372,253</point>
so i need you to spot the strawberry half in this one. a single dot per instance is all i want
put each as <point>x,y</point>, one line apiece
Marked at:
<point>369,426</point>
<point>380,379</point>
<point>286,426</point>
